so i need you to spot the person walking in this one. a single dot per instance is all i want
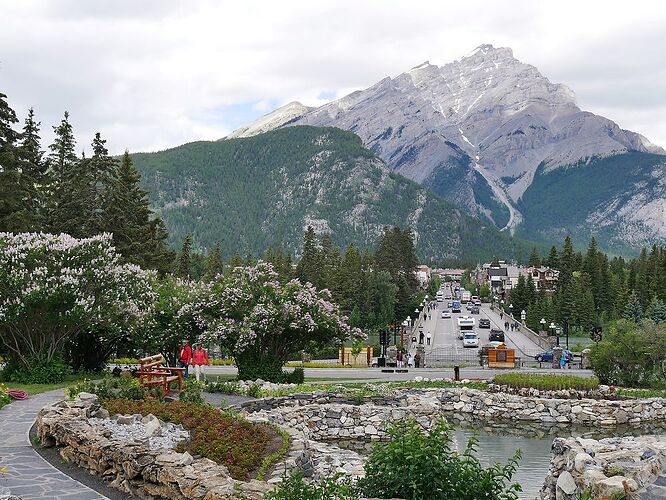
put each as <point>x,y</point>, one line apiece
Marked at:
<point>563,360</point>
<point>421,337</point>
<point>410,360</point>
<point>398,359</point>
<point>185,356</point>
<point>417,360</point>
<point>428,337</point>
<point>199,360</point>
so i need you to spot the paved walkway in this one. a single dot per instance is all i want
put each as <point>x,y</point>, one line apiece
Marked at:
<point>29,475</point>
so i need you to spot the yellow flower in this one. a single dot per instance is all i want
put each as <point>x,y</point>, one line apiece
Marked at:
<point>3,470</point>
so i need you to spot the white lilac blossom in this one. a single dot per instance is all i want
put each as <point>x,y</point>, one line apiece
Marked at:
<point>54,286</point>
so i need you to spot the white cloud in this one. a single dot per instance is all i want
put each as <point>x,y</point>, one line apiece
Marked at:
<point>153,74</point>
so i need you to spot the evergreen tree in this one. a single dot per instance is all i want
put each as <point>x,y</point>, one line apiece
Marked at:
<point>535,259</point>
<point>31,153</point>
<point>214,265</point>
<point>184,269</point>
<point>656,310</point>
<point>567,263</point>
<point>633,310</point>
<point>553,260</point>
<point>309,267</point>
<point>63,150</point>
<point>236,261</point>
<point>17,188</point>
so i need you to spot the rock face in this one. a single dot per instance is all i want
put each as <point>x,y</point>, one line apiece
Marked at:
<point>477,130</point>
<point>129,464</point>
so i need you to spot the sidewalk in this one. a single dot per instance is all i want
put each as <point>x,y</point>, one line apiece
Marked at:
<point>29,476</point>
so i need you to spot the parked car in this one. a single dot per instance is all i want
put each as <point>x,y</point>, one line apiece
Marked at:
<point>446,313</point>
<point>547,356</point>
<point>484,323</point>
<point>496,335</point>
<point>470,340</point>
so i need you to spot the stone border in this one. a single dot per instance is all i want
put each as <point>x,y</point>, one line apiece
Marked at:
<point>489,405</point>
<point>129,465</point>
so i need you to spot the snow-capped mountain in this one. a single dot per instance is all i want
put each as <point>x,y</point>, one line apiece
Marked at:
<point>477,131</point>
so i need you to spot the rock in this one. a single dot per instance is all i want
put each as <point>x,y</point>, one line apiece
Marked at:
<point>87,396</point>
<point>566,484</point>
<point>581,461</point>
<point>611,486</point>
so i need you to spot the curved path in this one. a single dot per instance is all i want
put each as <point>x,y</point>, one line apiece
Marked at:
<point>29,476</point>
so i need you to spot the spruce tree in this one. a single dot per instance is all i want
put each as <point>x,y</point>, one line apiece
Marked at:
<point>236,261</point>
<point>214,265</point>
<point>31,154</point>
<point>656,310</point>
<point>633,311</point>
<point>309,266</point>
<point>184,269</point>
<point>535,259</point>
<point>553,260</point>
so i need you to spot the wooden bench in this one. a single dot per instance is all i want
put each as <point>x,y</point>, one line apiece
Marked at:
<point>152,373</point>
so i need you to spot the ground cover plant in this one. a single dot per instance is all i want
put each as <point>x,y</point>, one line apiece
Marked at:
<point>546,382</point>
<point>220,436</point>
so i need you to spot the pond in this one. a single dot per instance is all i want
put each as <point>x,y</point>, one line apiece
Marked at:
<point>498,444</point>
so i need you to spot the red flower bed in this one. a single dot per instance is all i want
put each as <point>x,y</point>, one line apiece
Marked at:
<point>228,440</point>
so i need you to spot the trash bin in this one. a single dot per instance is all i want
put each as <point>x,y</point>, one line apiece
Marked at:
<point>381,361</point>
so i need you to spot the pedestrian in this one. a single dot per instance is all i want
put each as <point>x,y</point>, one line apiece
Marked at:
<point>501,315</point>
<point>506,326</point>
<point>421,337</point>
<point>410,360</point>
<point>200,360</point>
<point>185,356</point>
<point>563,360</point>
<point>417,360</point>
<point>398,359</point>
<point>428,337</point>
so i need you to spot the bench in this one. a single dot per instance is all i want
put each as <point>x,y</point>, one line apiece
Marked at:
<point>152,373</point>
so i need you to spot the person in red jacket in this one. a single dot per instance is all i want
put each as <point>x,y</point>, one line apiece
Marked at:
<point>199,359</point>
<point>185,356</point>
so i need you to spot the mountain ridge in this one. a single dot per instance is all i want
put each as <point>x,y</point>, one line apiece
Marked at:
<point>475,130</point>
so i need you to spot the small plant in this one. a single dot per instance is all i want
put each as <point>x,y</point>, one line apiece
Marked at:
<point>294,487</point>
<point>191,393</point>
<point>545,382</point>
<point>274,457</point>
<point>254,391</point>
<point>4,397</point>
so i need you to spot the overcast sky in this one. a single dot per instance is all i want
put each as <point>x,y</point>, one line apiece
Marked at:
<point>150,74</point>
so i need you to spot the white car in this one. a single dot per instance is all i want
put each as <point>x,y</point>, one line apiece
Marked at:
<point>446,313</point>
<point>470,340</point>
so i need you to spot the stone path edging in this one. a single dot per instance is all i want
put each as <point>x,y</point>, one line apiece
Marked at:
<point>29,476</point>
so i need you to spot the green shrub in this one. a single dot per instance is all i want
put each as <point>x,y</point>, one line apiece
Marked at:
<point>297,376</point>
<point>191,392</point>
<point>113,387</point>
<point>420,465</point>
<point>546,382</point>
<point>294,487</point>
<point>39,372</point>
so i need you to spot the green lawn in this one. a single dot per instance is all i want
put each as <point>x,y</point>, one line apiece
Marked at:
<point>34,389</point>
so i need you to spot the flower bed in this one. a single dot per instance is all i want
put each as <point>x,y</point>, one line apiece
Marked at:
<point>221,437</point>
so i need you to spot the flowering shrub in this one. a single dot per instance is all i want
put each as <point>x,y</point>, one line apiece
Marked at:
<point>222,437</point>
<point>262,321</point>
<point>4,397</point>
<point>55,286</point>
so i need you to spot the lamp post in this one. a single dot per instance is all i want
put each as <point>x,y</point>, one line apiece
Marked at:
<point>523,315</point>
<point>511,310</point>
<point>554,332</point>
<point>543,324</point>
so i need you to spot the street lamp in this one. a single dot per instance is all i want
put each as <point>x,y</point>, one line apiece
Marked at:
<point>523,314</point>
<point>543,324</point>
<point>511,310</point>
<point>553,332</point>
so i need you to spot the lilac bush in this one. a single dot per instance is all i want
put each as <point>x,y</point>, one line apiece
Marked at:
<point>262,321</point>
<point>55,286</point>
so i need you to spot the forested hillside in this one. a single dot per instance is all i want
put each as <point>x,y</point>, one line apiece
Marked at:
<point>252,193</point>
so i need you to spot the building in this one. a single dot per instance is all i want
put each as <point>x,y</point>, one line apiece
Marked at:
<point>502,277</point>
<point>545,278</point>
<point>423,274</point>
<point>451,274</point>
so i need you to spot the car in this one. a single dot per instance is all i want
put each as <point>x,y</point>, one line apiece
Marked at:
<point>448,297</point>
<point>496,335</point>
<point>484,323</point>
<point>494,344</point>
<point>446,313</point>
<point>547,356</point>
<point>449,304</point>
<point>474,310</point>
<point>470,339</point>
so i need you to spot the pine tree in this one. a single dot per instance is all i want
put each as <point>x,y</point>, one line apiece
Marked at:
<point>309,267</point>
<point>184,269</point>
<point>633,310</point>
<point>535,259</point>
<point>31,154</point>
<point>63,150</point>
<point>656,310</point>
<point>567,263</point>
<point>236,261</point>
<point>214,265</point>
<point>553,260</point>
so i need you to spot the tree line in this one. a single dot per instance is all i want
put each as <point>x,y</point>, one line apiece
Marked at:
<point>58,191</point>
<point>593,288</point>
